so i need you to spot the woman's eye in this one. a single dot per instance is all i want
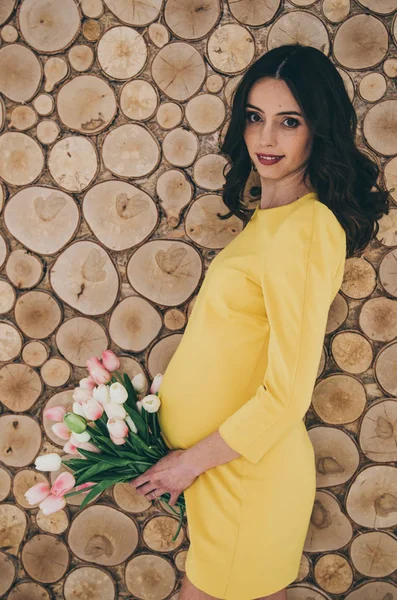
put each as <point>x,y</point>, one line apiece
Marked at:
<point>250,114</point>
<point>296,123</point>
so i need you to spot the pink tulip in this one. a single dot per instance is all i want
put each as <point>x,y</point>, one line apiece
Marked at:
<point>52,504</point>
<point>117,427</point>
<point>37,493</point>
<point>61,430</point>
<point>87,383</point>
<point>70,448</point>
<point>156,383</point>
<point>92,409</point>
<point>62,484</point>
<point>117,441</point>
<point>80,394</point>
<point>110,360</point>
<point>83,486</point>
<point>88,446</point>
<point>97,371</point>
<point>55,413</point>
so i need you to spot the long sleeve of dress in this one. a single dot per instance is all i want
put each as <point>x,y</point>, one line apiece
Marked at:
<point>300,276</point>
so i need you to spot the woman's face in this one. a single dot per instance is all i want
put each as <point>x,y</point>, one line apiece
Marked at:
<point>269,133</point>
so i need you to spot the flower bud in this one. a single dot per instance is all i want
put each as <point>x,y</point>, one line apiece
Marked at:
<point>131,424</point>
<point>61,430</point>
<point>117,441</point>
<point>110,360</point>
<point>156,383</point>
<point>80,394</point>
<point>117,427</point>
<point>100,393</point>
<point>55,413</point>
<point>87,383</point>
<point>97,371</point>
<point>118,393</point>
<point>151,403</point>
<point>76,423</point>
<point>92,410</point>
<point>48,462</point>
<point>115,410</point>
<point>70,447</point>
<point>79,438</point>
<point>78,409</point>
<point>139,383</point>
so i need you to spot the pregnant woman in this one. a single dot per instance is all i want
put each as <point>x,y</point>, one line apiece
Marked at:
<point>236,390</point>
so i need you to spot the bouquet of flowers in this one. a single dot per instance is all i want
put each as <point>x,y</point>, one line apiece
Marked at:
<point>115,436</point>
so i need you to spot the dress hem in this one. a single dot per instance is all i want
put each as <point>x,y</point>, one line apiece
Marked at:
<point>236,594</point>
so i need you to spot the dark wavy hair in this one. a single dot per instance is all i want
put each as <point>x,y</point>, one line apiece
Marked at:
<point>344,178</point>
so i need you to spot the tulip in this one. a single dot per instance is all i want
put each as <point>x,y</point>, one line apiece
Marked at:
<point>55,413</point>
<point>101,393</point>
<point>52,504</point>
<point>151,403</point>
<point>78,409</point>
<point>131,424</point>
<point>76,423</point>
<point>118,393</point>
<point>79,438</point>
<point>110,360</point>
<point>115,410</point>
<point>48,462</point>
<point>87,383</point>
<point>139,406</point>
<point>62,484</point>
<point>92,410</point>
<point>156,383</point>
<point>117,427</point>
<point>37,493</point>
<point>61,430</point>
<point>97,371</point>
<point>88,446</point>
<point>83,486</point>
<point>139,383</point>
<point>117,441</point>
<point>80,394</point>
<point>70,448</point>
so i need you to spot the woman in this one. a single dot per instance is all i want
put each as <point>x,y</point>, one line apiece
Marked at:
<point>236,390</point>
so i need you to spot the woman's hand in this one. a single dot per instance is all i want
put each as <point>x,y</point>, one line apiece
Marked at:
<point>172,474</point>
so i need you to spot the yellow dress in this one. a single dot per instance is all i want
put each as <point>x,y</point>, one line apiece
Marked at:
<point>247,364</point>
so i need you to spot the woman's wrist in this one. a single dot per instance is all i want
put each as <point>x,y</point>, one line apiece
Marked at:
<point>208,453</point>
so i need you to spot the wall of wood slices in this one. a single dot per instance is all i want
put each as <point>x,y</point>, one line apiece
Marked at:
<point>111,113</point>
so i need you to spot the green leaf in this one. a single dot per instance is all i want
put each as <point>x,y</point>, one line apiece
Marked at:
<point>132,395</point>
<point>93,470</point>
<point>100,487</point>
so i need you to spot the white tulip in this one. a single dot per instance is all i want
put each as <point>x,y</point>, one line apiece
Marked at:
<point>156,383</point>
<point>80,437</point>
<point>139,406</point>
<point>139,383</point>
<point>78,409</point>
<point>100,393</point>
<point>115,410</point>
<point>80,394</point>
<point>151,403</point>
<point>118,393</point>
<point>131,424</point>
<point>48,462</point>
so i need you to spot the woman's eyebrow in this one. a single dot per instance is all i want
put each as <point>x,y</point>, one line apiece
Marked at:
<point>285,112</point>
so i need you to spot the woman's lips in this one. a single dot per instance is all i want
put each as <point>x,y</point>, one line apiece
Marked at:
<point>265,161</point>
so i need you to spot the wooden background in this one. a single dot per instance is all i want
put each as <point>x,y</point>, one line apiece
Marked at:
<point>110,118</point>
